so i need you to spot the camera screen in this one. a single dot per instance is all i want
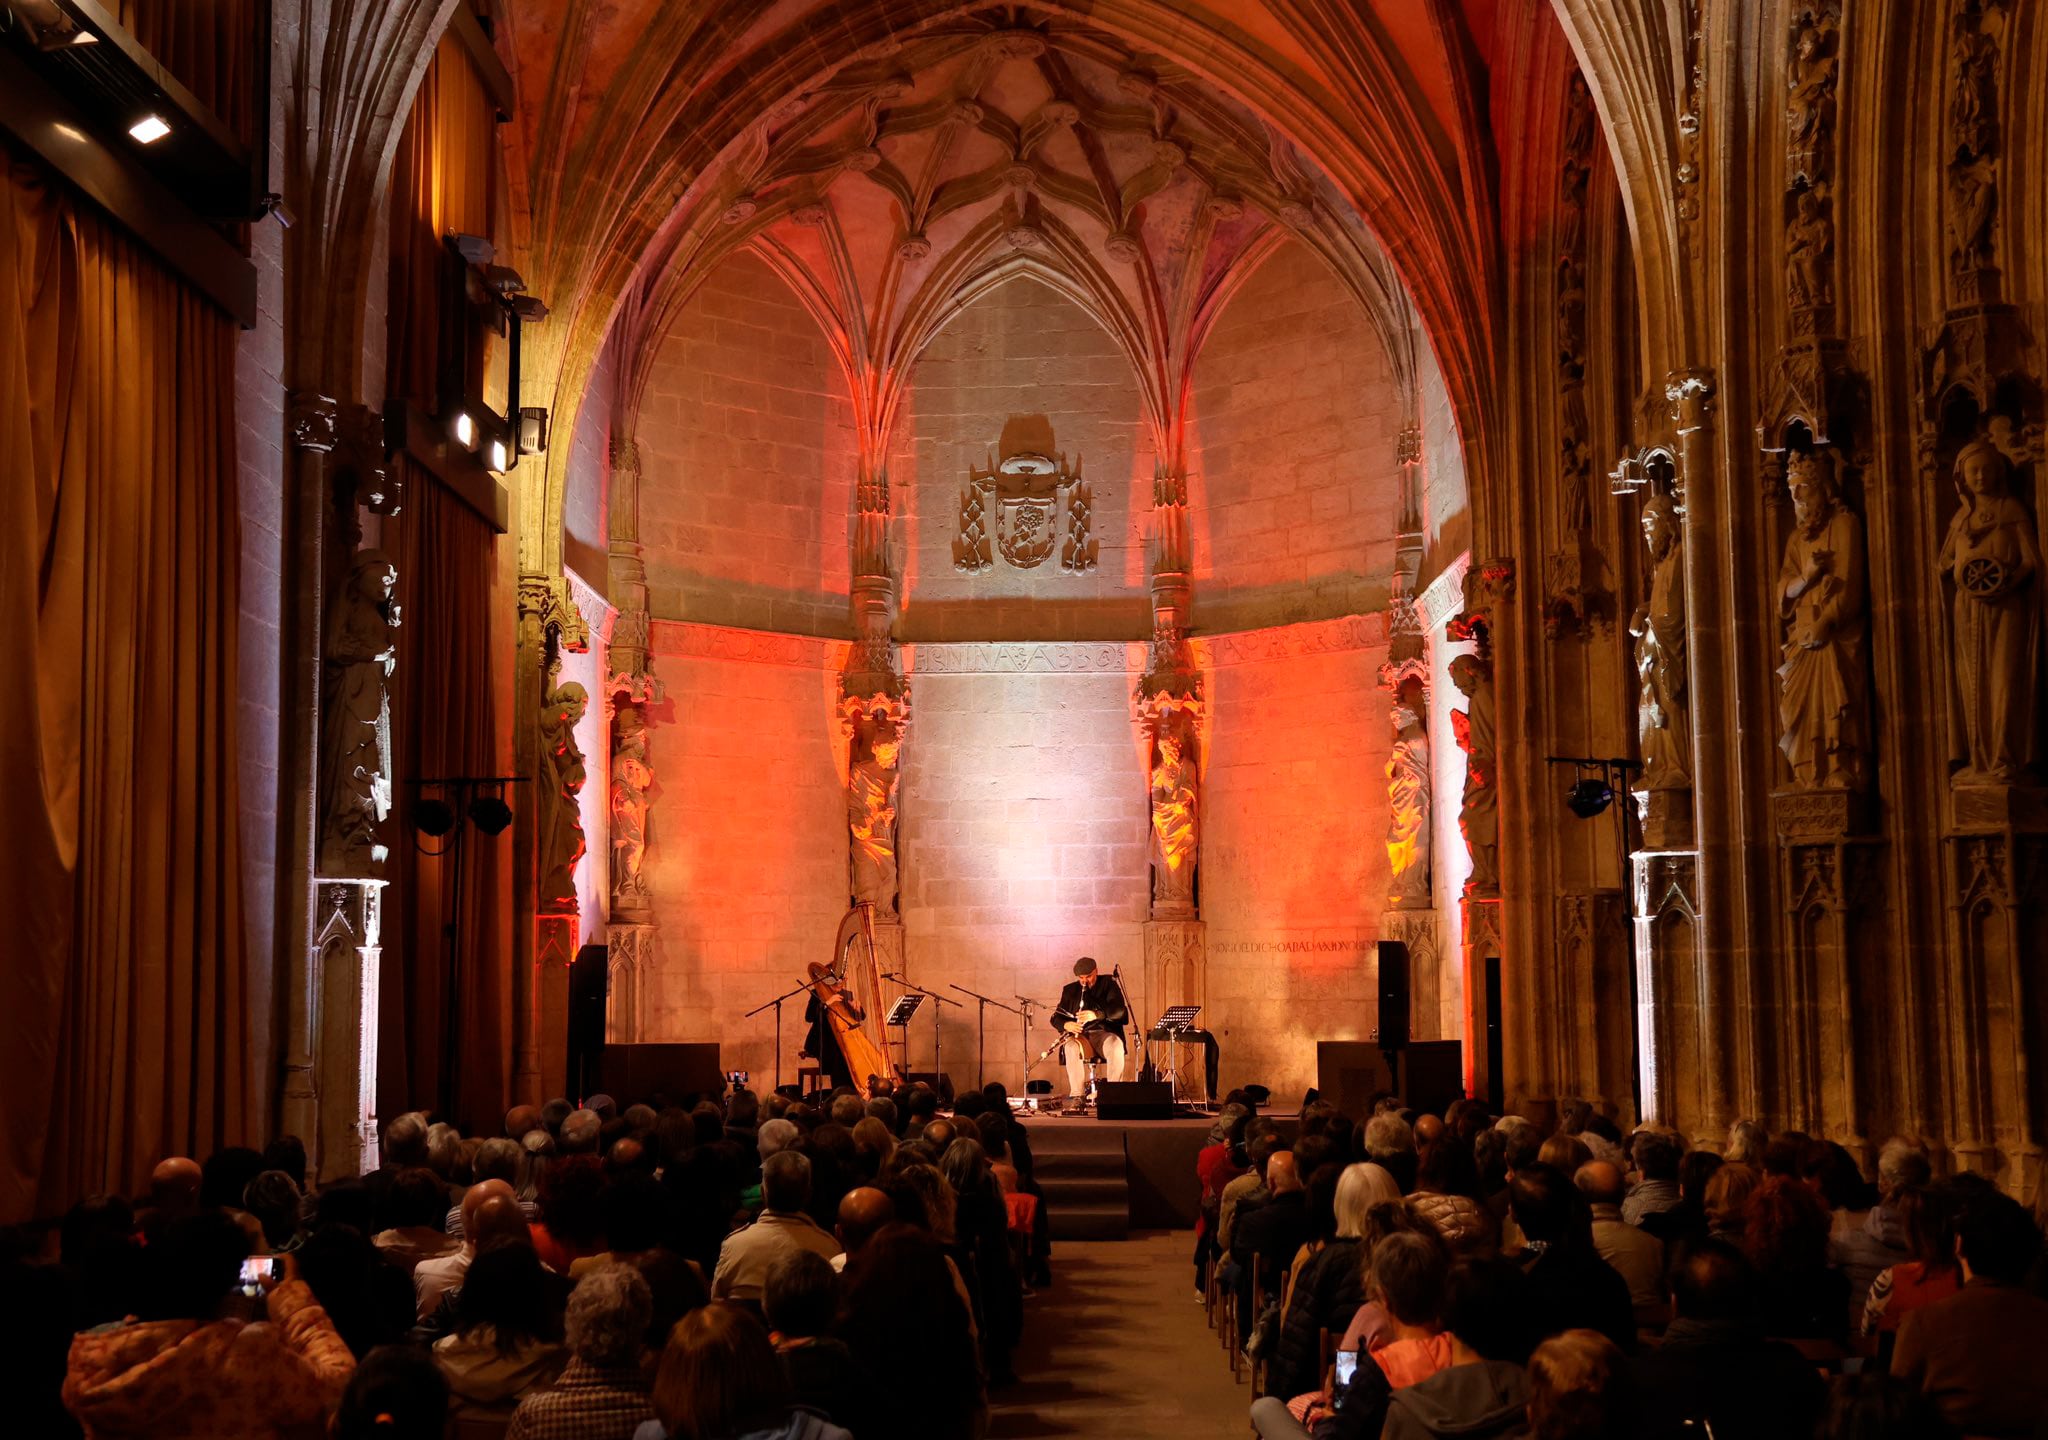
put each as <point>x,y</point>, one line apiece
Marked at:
<point>1347,1365</point>
<point>255,1270</point>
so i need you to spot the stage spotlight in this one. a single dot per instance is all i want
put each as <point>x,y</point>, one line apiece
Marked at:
<point>1589,796</point>
<point>490,814</point>
<point>433,816</point>
<point>149,129</point>
<point>465,430</point>
<point>499,459</point>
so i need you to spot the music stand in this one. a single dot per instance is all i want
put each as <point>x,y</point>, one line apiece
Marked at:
<point>899,1016</point>
<point>1174,1023</point>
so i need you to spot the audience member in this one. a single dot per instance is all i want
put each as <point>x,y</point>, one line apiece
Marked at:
<point>862,1213</point>
<point>1329,1289</point>
<point>1932,1273</point>
<point>1728,1195</point>
<point>1570,1286</point>
<point>1786,1237</point>
<point>1655,1193</point>
<point>1484,1390</point>
<point>1446,1195</point>
<point>1263,1243</point>
<point>571,1223</point>
<point>782,1226</point>
<point>718,1379</point>
<point>1580,1387</point>
<point>1636,1255</point>
<point>1715,1367</point>
<point>1864,1244</point>
<point>1876,1407</point>
<point>899,1285</point>
<point>1978,1354</point>
<point>416,1206</point>
<point>273,1197</point>
<point>431,1279</point>
<point>800,1301</point>
<point>505,1345</point>
<point>180,1372</point>
<point>603,1392</point>
<point>1391,1144</point>
<point>396,1393</point>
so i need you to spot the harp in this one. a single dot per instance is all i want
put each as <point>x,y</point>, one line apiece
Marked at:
<point>855,975</point>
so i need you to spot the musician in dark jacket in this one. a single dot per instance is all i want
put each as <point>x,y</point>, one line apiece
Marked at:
<point>1093,1009</point>
<point>822,1043</point>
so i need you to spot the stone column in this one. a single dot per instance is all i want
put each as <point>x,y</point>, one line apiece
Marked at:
<point>1172,711</point>
<point>1489,585</point>
<point>545,926</point>
<point>1410,915</point>
<point>631,689</point>
<point>343,968</point>
<point>874,715</point>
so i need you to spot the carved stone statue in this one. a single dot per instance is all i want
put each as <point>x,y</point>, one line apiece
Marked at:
<point>1824,682</point>
<point>872,775</point>
<point>1809,242</point>
<point>561,782</point>
<point>1662,723</point>
<point>1175,811</point>
<point>1474,727</point>
<point>359,652</point>
<point>1973,200</point>
<point>1810,101</point>
<point>1973,98</point>
<point>1993,555</point>
<point>631,777</point>
<point>1408,795</point>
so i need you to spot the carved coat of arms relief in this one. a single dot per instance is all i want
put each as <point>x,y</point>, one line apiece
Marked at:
<point>1039,505</point>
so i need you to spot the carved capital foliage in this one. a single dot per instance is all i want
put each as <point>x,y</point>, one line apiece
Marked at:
<point>1690,394</point>
<point>549,601</point>
<point>311,419</point>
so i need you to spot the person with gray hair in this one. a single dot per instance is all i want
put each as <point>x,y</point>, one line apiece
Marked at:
<point>1390,1144</point>
<point>1865,1244</point>
<point>604,1390</point>
<point>776,1136</point>
<point>580,1132</point>
<point>784,1225</point>
<point>1746,1141</point>
<point>848,1110</point>
<point>1655,1153</point>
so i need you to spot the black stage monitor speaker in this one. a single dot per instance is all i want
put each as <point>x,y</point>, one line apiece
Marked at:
<point>1134,1100</point>
<point>589,978</point>
<point>1393,995</point>
<point>1434,1075</point>
<point>634,1073</point>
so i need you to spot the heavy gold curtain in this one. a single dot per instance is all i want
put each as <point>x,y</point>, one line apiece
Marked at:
<point>124,1028</point>
<point>439,1024</point>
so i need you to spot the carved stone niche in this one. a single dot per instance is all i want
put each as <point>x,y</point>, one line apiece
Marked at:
<point>1577,600</point>
<point>1834,918</point>
<point>347,955</point>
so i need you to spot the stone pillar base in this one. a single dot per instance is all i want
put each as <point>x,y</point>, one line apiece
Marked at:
<point>346,957</point>
<point>630,960</point>
<point>555,939</point>
<point>1176,971</point>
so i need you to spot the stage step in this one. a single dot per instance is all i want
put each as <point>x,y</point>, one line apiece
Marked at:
<point>1082,1170</point>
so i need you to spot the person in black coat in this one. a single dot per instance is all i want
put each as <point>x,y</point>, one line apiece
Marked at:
<point>1327,1292</point>
<point>1570,1286</point>
<point>1715,1366</point>
<point>1268,1237</point>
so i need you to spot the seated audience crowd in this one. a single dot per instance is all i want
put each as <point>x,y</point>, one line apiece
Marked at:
<point>1412,1276</point>
<point>754,1268</point>
<point>763,1268</point>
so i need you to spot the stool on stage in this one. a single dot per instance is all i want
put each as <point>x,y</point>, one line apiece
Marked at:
<point>810,1078</point>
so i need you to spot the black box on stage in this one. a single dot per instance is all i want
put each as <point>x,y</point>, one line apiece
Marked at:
<point>631,1073</point>
<point>1393,995</point>
<point>1435,1074</point>
<point>1134,1100</point>
<point>1349,1073</point>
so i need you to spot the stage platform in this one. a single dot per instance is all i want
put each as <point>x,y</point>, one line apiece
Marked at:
<point>1105,1178</point>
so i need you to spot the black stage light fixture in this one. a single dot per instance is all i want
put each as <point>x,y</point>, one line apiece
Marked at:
<point>490,813</point>
<point>1590,795</point>
<point>433,816</point>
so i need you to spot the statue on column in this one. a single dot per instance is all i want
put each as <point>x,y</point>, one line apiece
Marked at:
<point>1175,785</point>
<point>1993,555</point>
<point>561,782</point>
<point>1408,795</point>
<point>359,654</point>
<point>1475,729</point>
<point>873,771</point>
<point>1659,631</point>
<point>631,777</point>
<point>1824,682</point>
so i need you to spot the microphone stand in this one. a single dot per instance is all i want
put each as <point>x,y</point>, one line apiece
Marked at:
<point>776,1005</point>
<point>1025,1005</point>
<point>1116,973</point>
<point>938,1069</point>
<point>982,1002</point>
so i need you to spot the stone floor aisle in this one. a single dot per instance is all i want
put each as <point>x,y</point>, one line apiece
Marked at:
<point>1118,1349</point>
